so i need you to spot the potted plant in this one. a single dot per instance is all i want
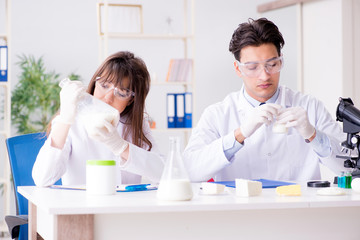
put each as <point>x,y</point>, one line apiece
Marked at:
<point>35,98</point>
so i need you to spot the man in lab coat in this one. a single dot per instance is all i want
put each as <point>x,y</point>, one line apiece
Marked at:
<point>236,138</point>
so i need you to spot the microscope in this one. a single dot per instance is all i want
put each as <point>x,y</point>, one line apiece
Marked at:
<point>350,117</point>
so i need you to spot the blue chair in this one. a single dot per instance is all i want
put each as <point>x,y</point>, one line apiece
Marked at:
<point>22,151</point>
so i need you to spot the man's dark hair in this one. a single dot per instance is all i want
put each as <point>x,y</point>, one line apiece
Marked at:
<point>255,33</point>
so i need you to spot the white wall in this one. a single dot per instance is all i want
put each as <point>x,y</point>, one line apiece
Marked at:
<point>286,20</point>
<point>331,51</point>
<point>323,51</point>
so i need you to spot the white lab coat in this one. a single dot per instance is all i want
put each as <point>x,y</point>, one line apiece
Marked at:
<point>69,163</point>
<point>264,154</point>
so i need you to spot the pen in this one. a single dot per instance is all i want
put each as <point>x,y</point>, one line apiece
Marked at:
<point>138,187</point>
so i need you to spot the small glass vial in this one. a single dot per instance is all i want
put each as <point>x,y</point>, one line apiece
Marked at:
<point>100,177</point>
<point>348,179</point>
<point>279,128</point>
<point>341,180</point>
<point>174,184</point>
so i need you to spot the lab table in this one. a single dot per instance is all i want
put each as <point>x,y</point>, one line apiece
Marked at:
<point>73,214</point>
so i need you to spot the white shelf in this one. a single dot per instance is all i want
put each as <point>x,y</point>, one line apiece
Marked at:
<point>147,36</point>
<point>171,129</point>
<point>172,83</point>
<point>4,84</point>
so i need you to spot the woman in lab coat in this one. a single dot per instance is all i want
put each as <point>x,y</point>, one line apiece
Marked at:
<point>123,82</point>
<point>235,138</point>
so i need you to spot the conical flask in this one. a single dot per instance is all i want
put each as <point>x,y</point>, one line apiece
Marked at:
<point>174,184</point>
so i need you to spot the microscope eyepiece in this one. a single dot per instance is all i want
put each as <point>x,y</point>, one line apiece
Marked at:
<point>346,112</point>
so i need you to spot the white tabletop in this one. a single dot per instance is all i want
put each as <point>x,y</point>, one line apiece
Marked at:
<point>60,201</point>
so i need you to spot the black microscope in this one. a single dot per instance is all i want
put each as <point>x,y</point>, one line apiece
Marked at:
<point>350,117</point>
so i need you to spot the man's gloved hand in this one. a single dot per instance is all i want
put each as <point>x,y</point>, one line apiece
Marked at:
<point>105,132</point>
<point>297,117</point>
<point>69,96</point>
<point>260,115</point>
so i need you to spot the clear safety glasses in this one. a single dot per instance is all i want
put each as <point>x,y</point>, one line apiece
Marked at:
<point>120,93</point>
<point>254,69</point>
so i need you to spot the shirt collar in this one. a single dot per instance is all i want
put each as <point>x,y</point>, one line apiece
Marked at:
<point>254,102</point>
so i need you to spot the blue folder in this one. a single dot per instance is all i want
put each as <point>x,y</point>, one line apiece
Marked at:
<point>171,110</point>
<point>188,110</point>
<point>266,183</point>
<point>3,63</point>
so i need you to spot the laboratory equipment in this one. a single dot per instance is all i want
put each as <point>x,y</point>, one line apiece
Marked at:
<point>355,185</point>
<point>89,107</point>
<point>279,128</point>
<point>347,113</point>
<point>174,183</point>
<point>344,180</point>
<point>100,177</point>
<point>318,184</point>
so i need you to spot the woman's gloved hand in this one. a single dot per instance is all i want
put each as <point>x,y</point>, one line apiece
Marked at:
<point>69,96</point>
<point>263,114</point>
<point>297,117</point>
<point>104,131</point>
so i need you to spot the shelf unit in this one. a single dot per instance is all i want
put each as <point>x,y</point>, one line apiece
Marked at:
<point>5,123</point>
<point>187,40</point>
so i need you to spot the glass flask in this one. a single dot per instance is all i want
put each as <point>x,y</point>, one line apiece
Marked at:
<point>174,184</point>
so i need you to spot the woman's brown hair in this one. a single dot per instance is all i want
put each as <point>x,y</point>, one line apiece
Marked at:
<point>114,69</point>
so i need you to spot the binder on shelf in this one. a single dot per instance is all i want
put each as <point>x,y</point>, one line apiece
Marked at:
<point>188,110</point>
<point>170,101</point>
<point>179,70</point>
<point>180,110</point>
<point>169,70</point>
<point>186,70</point>
<point>3,63</point>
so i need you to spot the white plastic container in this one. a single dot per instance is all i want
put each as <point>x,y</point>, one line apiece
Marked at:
<point>279,128</point>
<point>100,177</point>
<point>89,107</point>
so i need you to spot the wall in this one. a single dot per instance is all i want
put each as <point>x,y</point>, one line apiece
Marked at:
<point>331,51</point>
<point>286,20</point>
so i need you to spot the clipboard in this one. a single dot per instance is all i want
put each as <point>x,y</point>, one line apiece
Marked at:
<point>266,183</point>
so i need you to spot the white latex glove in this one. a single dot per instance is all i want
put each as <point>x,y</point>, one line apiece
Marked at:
<point>297,117</point>
<point>104,131</point>
<point>263,114</point>
<point>69,95</point>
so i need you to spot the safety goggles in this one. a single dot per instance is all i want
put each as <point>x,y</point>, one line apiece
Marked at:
<point>120,93</point>
<point>254,69</point>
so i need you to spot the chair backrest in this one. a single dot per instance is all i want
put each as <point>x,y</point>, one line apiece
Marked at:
<point>22,151</point>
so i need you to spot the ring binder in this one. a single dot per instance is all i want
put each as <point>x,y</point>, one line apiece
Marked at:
<point>3,63</point>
